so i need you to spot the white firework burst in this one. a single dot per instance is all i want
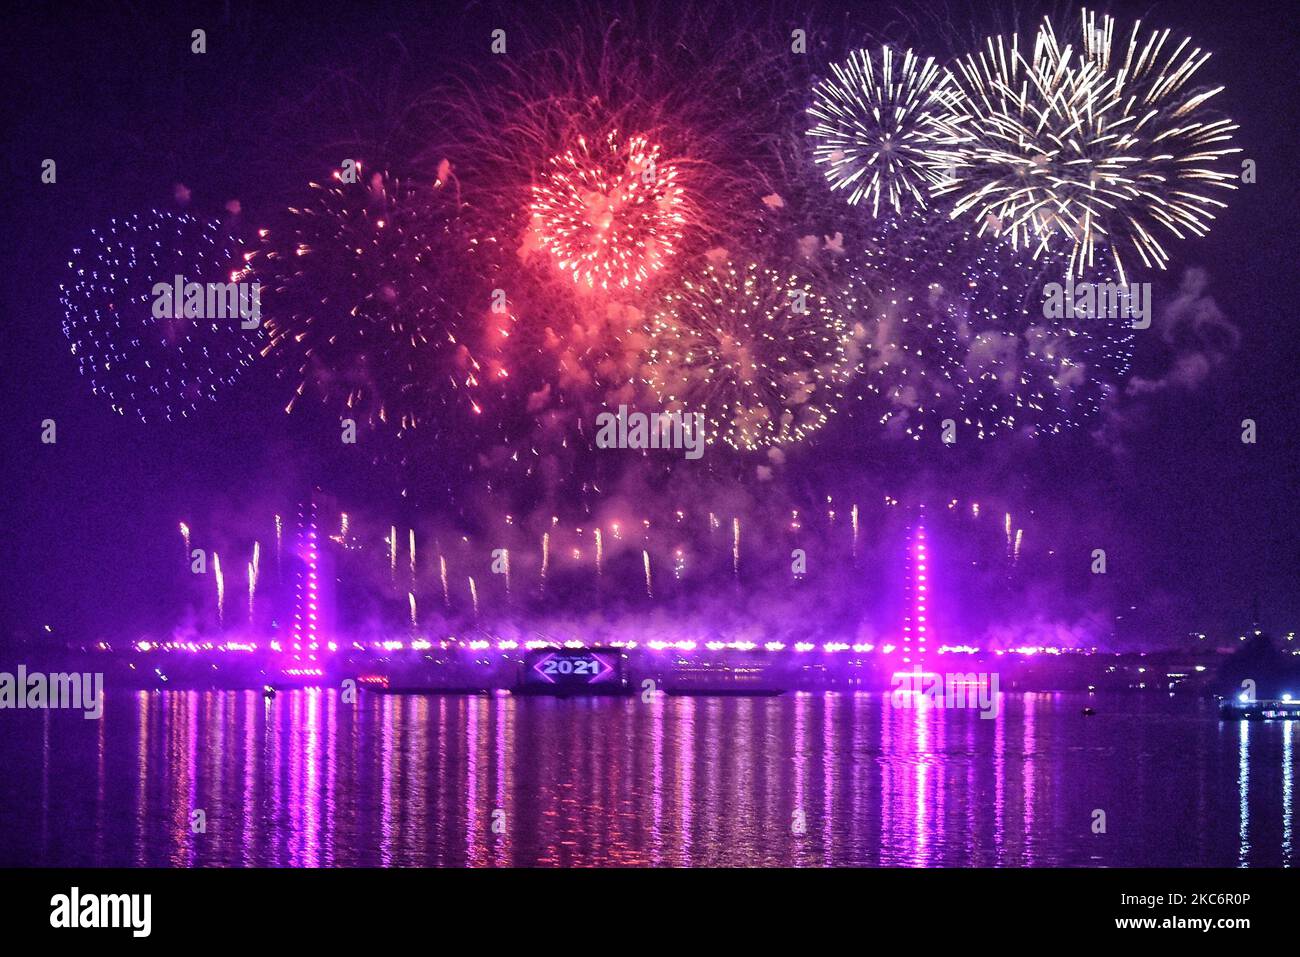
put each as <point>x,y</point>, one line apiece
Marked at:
<point>882,129</point>
<point>1088,153</point>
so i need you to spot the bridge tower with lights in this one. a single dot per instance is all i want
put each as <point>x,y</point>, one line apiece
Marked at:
<point>312,624</point>
<point>918,631</point>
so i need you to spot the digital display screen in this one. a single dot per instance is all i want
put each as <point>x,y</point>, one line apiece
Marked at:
<point>570,668</point>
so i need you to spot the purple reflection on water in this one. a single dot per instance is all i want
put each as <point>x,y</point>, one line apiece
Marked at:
<point>306,779</point>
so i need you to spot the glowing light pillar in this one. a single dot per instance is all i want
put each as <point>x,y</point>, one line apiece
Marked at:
<point>916,617</point>
<point>307,604</point>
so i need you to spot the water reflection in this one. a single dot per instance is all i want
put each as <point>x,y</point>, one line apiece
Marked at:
<point>1243,795</point>
<point>1287,730</point>
<point>305,779</point>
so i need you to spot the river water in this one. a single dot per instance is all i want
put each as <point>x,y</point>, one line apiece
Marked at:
<point>305,779</point>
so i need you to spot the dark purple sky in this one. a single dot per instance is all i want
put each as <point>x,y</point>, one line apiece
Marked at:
<point>1202,522</point>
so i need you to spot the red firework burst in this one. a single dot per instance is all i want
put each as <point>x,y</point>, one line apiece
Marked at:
<point>610,213</point>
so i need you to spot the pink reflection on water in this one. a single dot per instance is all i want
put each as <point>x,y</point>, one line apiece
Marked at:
<point>1243,789</point>
<point>101,802</point>
<point>387,755</point>
<point>659,707</point>
<point>1000,786</point>
<point>304,779</point>
<point>248,820</point>
<point>142,701</point>
<point>503,762</point>
<point>309,795</point>
<point>684,740</point>
<point>922,715</point>
<point>828,776</point>
<point>291,710</point>
<point>331,724</point>
<point>1028,770</point>
<point>472,742</point>
<point>800,765</point>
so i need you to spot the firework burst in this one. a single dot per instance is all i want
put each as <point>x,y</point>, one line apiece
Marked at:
<point>899,292</point>
<point>882,130</point>
<point>1022,371</point>
<point>591,224</point>
<point>156,369</point>
<point>363,304</point>
<point>706,113</point>
<point>1104,156</point>
<point>609,212</point>
<point>760,353</point>
<point>950,324</point>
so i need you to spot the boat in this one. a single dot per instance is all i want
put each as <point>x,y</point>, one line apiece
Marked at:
<point>426,690</point>
<point>724,691</point>
<point>1243,708</point>
<point>573,672</point>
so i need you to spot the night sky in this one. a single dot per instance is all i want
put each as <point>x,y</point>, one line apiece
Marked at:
<point>1197,524</point>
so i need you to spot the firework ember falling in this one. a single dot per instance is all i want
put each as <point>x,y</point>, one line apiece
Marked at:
<point>361,302</point>
<point>951,324</point>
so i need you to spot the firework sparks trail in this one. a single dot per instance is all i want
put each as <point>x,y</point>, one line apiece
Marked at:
<point>606,162</point>
<point>221,589</point>
<point>254,569</point>
<point>735,546</point>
